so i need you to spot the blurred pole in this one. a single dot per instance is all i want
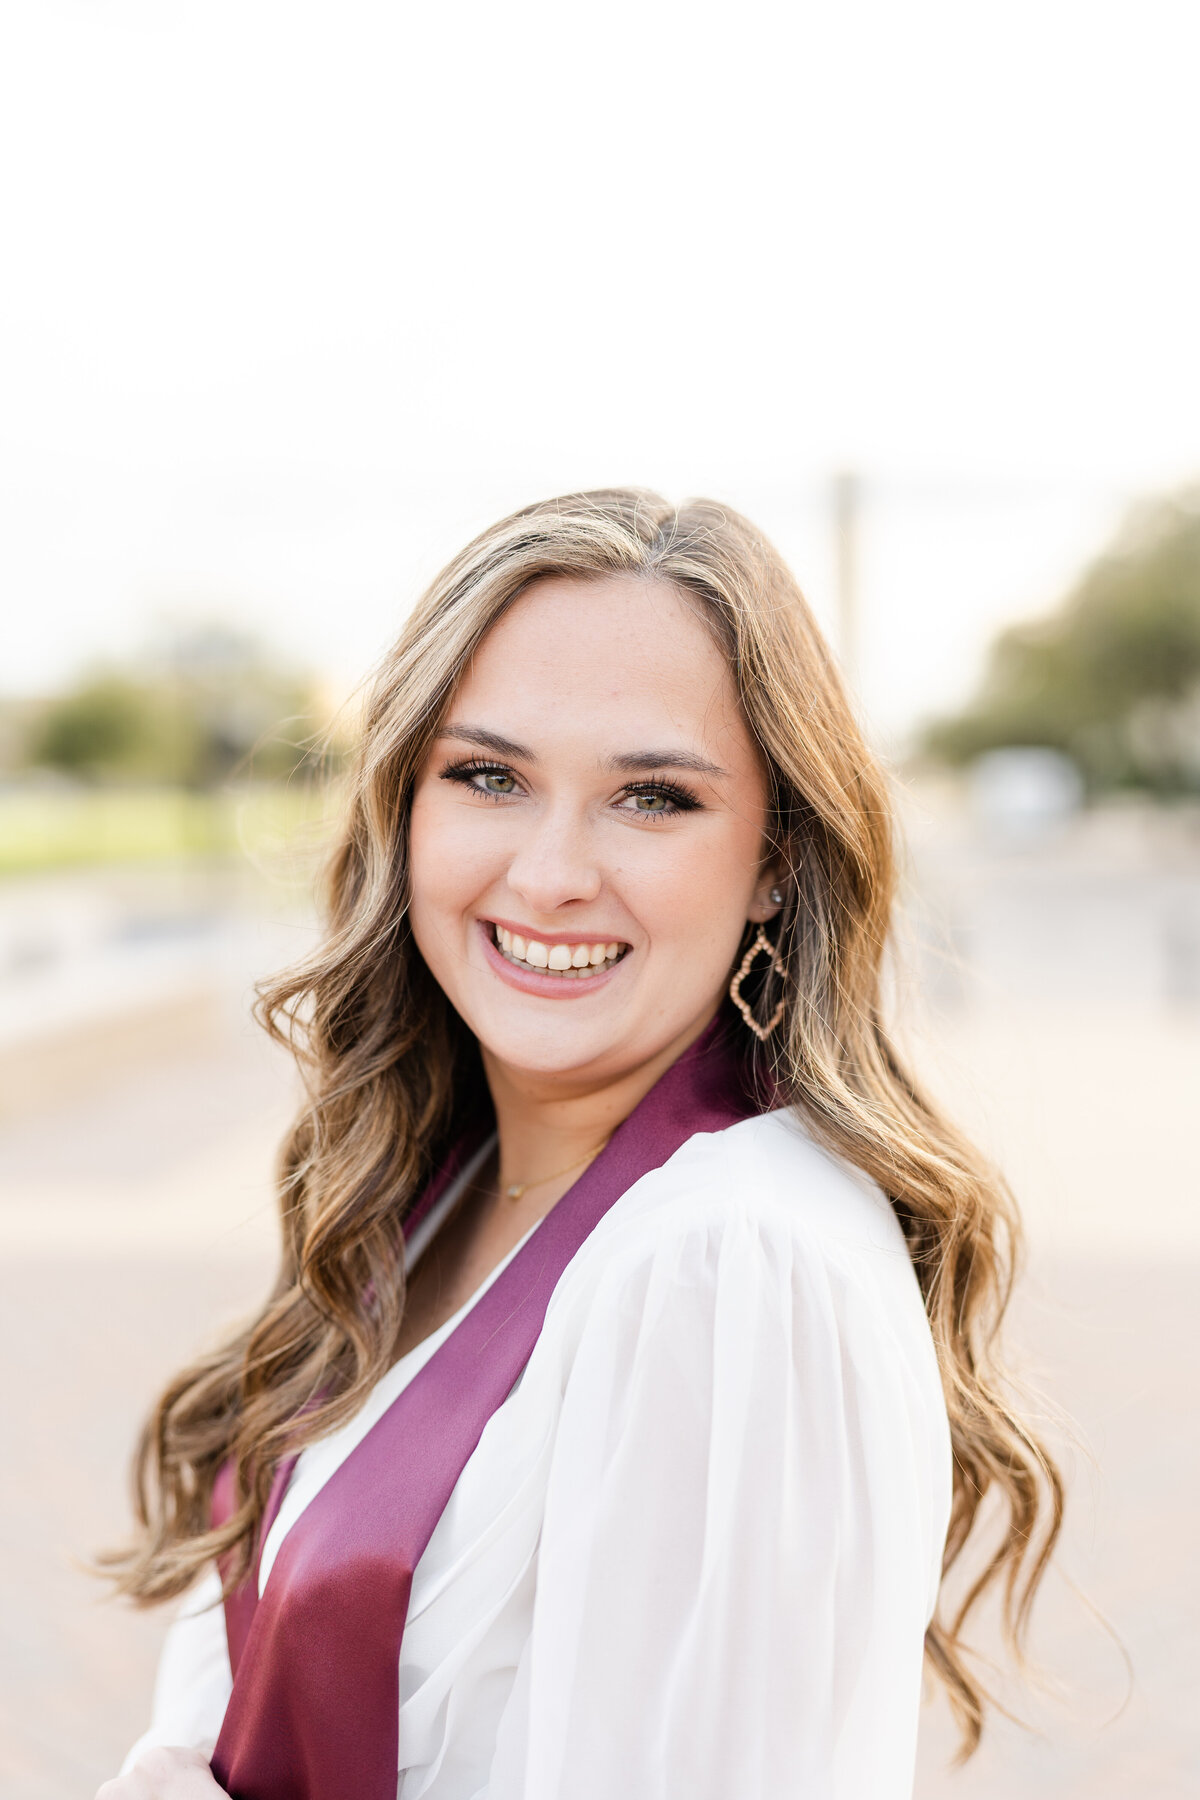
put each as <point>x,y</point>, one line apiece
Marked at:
<point>847,512</point>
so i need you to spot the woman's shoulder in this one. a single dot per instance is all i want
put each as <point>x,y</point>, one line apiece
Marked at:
<point>761,1192</point>
<point>754,1248</point>
<point>768,1170</point>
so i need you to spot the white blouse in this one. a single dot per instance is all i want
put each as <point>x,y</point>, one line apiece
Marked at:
<point>695,1551</point>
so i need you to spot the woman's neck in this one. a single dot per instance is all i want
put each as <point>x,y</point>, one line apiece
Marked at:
<point>545,1126</point>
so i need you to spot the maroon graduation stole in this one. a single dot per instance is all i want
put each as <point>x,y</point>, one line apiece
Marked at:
<point>314,1713</point>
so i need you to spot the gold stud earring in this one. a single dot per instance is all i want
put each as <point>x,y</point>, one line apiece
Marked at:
<point>761,942</point>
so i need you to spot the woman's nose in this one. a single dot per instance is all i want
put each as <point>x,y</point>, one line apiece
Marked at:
<point>555,862</point>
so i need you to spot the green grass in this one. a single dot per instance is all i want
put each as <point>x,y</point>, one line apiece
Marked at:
<point>59,828</point>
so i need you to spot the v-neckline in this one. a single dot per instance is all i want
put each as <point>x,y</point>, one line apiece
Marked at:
<point>448,1324</point>
<point>423,1233</point>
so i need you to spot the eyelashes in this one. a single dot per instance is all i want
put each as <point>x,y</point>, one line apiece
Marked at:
<point>465,772</point>
<point>679,799</point>
<point>474,773</point>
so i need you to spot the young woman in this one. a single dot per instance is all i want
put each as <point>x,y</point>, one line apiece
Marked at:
<point>628,1381</point>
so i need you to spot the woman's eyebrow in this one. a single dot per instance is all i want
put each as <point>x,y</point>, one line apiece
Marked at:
<point>636,762</point>
<point>489,740</point>
<point>631,762</point>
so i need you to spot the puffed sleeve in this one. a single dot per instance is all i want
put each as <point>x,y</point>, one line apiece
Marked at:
<point>742,1527</point>
<point>194,1683</point>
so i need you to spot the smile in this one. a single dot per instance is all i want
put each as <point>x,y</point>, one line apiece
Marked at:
<point>570,962</point>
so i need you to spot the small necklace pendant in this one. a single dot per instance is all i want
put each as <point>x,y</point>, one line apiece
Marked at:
<point>515,1192</point>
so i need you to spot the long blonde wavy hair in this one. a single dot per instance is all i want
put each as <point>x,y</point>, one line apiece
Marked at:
<point>389,1069</point>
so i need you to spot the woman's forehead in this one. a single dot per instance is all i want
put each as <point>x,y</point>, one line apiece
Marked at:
<point>620,663</point>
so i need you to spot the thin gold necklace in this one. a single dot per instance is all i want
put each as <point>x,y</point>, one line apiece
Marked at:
<point>517,1188</point>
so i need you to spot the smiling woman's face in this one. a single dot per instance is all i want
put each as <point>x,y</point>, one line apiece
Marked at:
<point>588,832</point>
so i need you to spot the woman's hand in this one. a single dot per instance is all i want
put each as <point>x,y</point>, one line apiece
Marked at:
<point>163,1774</point>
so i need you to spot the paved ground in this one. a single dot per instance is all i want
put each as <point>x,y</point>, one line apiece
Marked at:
<point>136,1216</point>
<point>1115,1341</point>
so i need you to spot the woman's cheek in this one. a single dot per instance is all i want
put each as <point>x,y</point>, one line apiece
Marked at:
<point>713,878</point>
<point>450,855</point>
<point>696,905</point>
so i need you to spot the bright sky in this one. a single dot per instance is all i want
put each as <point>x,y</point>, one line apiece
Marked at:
<point>297,296</point>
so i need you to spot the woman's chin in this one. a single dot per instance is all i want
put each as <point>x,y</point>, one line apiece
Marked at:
<point>553,1052</point>
<point>552,1040</point>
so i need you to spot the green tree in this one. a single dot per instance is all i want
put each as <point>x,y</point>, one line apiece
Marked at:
<point>1112,678</point>
<point>112,726</point>
<point>205,705</point>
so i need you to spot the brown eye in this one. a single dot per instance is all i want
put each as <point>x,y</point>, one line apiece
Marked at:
<point>651,802</point>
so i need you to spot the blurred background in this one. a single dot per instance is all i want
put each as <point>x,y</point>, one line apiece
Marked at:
<point>297,298</point>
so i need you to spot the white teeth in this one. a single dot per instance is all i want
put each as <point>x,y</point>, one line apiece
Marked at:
<point>574,961</point>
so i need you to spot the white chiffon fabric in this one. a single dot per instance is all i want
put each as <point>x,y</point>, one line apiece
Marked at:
<point>695,1551</point>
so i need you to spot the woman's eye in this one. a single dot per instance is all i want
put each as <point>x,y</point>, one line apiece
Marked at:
<point>659,802</point>
<point>481,778</point>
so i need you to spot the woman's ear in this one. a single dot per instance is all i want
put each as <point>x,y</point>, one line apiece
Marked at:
<point>769,897</point>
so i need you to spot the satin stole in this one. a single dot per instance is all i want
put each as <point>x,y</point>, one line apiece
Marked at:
<point>314,1712</point>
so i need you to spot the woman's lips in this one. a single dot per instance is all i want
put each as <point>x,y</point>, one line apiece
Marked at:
<point>557,986</point>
